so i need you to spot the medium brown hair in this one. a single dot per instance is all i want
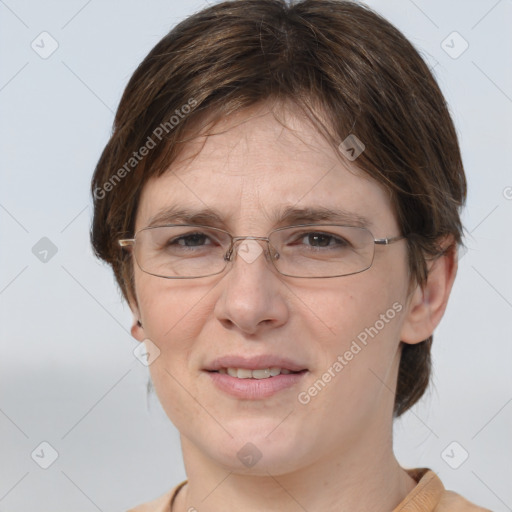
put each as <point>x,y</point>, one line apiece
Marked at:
<point>334,58</point>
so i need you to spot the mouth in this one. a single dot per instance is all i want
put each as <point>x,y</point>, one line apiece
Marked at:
<point>255,377</point>
<point>256,373</point>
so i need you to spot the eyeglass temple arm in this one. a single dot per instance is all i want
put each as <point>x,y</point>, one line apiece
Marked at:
<point>387,241</point>
<point>126,242</point>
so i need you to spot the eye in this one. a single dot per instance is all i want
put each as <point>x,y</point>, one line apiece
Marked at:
<point>197,239</point>
<point>321,239</point>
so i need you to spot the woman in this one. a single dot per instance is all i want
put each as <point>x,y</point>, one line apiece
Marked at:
<point>280,204</point>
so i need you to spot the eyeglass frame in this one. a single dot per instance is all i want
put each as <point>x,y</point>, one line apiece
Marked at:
<point>130,242</point>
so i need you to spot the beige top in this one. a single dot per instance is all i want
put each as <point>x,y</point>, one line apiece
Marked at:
<point>428,496</point>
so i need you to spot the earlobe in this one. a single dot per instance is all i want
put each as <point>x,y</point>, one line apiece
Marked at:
<point>428,302</point>
<point>137,329</point>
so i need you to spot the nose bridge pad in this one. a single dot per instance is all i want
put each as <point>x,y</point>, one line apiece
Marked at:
<point>249,249</point>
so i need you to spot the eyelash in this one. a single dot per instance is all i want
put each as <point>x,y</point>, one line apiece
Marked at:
<point>299,236</point>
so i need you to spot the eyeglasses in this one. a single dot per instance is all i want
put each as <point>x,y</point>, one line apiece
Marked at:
<point>182,251</point>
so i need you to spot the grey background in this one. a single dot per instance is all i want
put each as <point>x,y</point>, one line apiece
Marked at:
<point>67,372</point>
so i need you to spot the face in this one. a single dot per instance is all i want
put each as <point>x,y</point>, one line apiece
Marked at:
<point>343,332</point>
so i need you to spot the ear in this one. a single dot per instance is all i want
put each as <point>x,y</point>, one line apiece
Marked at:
<point>428,302</point>
<point>137,328</point>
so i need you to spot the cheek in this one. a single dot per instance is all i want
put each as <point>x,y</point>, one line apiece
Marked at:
<point>360,320</point>
<point>171,310</point>
<point>358,303</point>
<point>173,316</point>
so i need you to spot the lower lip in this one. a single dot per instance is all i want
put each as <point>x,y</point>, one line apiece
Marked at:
<point>254,389</point>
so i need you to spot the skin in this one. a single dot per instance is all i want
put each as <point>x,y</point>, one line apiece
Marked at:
<point>335,453</point>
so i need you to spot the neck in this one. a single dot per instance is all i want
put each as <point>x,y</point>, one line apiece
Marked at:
<point>368,477</point>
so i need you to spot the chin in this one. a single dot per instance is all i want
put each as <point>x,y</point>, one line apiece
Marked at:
<point>258,449</point>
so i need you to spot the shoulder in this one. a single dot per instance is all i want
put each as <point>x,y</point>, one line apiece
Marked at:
<point>430,495</point>
<point>453,502</point>
<point>160,504</point>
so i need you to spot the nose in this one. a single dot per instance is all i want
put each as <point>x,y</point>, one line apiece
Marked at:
<point>252,292</point>
<point>250,247</point>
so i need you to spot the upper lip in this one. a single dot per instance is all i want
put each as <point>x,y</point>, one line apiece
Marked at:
<point>257,362</point>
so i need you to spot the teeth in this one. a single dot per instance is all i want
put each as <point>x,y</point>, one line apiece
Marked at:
<point>245,373</point>
<point>261,374</point>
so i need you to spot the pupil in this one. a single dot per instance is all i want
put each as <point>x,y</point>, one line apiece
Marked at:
<point>194,239</point>
<point>318,239</point>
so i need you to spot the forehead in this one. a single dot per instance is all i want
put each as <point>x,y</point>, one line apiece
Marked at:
<point>254,166</point>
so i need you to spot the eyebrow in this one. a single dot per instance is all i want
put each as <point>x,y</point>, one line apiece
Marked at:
<point>287,215</point>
